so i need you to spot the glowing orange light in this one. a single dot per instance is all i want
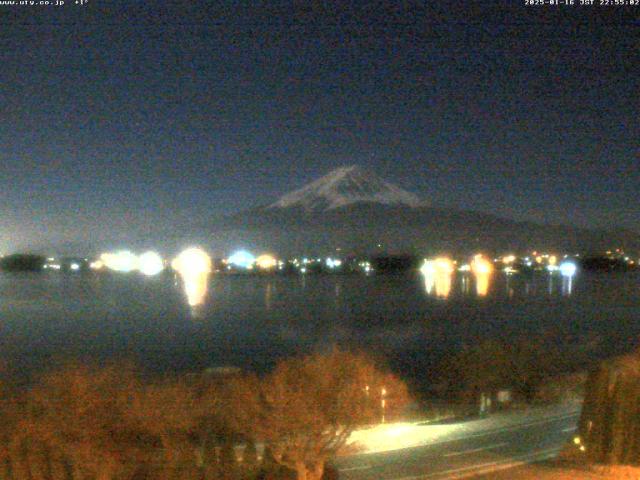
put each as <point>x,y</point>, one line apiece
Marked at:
<point>97,265</point>
<point>266,262</point>
<point>192,261</point>
<point>482,270</point>
<point>444,265</point>
<point>481,265</point>
<point>437,273</point>
<point>508,259</point>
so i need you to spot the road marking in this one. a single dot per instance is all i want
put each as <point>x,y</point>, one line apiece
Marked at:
<point>488,447</point>
<point>571,429</point>
<point>484,468</point>
<point>361,467</point>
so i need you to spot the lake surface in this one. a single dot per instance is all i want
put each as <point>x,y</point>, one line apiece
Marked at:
<point>251,321</point>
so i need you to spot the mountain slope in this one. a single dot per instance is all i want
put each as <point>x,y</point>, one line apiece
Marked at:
<point>346,186</point>
<point>357,211</point>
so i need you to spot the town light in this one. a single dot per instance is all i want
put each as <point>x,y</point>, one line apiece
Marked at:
<point>150,263</point>
<point>443,265</point>
<point>242,259</point>
<point>97,265</point>
<point>428,268</point>
<point>333,263</point>
<point>266,262</point>
<point>121,261</point>
<point>192,261</point>
<point>568,269</point>
<point>383,403</point>
<point>508,259</point>
<point>480,265</point>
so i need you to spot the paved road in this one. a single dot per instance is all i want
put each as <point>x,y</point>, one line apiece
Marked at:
<point>529,439</point>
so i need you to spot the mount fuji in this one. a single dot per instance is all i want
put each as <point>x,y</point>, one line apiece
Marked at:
<point>347,186</point>
<point>356,211</point>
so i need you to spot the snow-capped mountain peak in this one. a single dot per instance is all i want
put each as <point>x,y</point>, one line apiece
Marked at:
<point>344,186</point>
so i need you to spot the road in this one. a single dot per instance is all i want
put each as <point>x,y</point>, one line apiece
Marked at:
<point>487,446</point>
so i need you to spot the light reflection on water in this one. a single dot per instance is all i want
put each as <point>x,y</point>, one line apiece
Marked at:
<point>194,266</point>
<point>445,284</point>
<point>567,285</point>
<point>268,294</point>
<point>195,287</point>
<point>483,281</point>
<point>438,275</point>
<point>253,320</point>
<point>438,284</point>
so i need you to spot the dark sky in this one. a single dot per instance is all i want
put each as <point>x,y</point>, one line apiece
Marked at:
<point>121,121</point>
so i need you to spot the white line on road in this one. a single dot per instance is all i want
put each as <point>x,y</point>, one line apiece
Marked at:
<point>570,429</point>
<point>474,450</point>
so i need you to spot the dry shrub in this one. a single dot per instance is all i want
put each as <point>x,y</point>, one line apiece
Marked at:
<point>562,389</point>
<point>80,422</point>
<point>309,406</point>
<point>617,472</point>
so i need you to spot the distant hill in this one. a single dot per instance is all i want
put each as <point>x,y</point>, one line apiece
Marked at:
<point>22,263</point>
<point>357,211</point>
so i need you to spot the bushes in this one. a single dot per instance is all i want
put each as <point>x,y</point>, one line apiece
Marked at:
<point>90,423</point>
<point>309,407</point>
<point>22,263</point>
<point>80,423</point>
<point>610,423</point>
<point>534,369</point>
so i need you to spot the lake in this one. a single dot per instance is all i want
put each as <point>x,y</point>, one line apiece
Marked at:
<point>251,321</point>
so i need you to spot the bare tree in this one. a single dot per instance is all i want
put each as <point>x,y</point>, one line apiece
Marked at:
<point>105,423</point>
<point>310,406</point>
<point>73,424</point>
<point>169,413</point>
<point>522,364</point>
<point>610,422</point>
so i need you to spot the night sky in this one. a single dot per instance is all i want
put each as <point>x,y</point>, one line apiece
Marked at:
<point>121,122</point>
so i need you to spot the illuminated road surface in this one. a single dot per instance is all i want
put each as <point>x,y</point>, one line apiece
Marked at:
<point>480,447</point>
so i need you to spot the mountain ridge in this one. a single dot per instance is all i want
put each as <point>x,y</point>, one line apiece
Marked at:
<point>345,186</point>
<point>355,210</point>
